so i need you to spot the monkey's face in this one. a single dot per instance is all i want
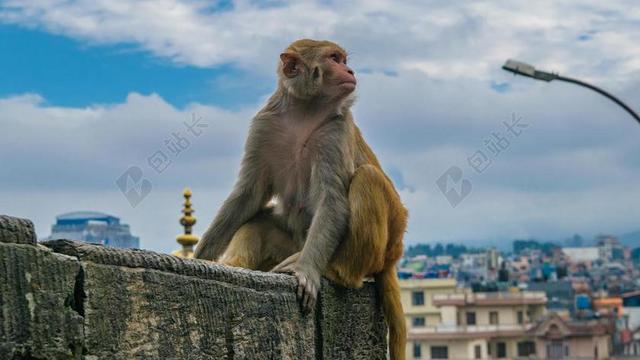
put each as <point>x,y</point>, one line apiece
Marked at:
<point>339,80</point>
<point>312,69</point>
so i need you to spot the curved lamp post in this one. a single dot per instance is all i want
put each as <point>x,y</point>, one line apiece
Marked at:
<point>523,69</point>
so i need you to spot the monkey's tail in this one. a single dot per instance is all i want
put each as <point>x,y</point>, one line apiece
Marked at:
<point>389,290</point>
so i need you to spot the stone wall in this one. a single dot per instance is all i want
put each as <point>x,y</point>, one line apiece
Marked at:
<point>68,300</point>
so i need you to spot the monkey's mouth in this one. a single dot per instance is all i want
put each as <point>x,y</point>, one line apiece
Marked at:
<point>348,82</point>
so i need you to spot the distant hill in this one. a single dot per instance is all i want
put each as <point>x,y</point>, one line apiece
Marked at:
<point>631,239</point>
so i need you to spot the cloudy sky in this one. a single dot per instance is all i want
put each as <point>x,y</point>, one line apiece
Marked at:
<point>90,89</point>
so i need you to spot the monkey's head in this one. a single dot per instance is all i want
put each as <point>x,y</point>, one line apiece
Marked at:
<point>311,69</point>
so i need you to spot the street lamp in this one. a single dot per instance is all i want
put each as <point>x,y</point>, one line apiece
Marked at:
<point>524,69</point>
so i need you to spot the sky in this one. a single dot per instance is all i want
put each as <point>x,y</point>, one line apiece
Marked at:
<point>117,105</point>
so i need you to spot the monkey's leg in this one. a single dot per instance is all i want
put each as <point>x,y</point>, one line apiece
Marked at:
<point>373,245</point>
<point>259,245</point>
<point>372,242</point>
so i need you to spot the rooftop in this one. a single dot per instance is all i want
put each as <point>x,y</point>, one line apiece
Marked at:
<point>84,215</point>
<point>450,332</point>
<point>555,327</point>
<point>491,298</point>
<point>428,283</point>
<point>81,218</point>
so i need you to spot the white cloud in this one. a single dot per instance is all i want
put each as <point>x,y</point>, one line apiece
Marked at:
<point>573,170</point>
<point>60,159</point>
<point>468,39</point>
<point>90,147</point>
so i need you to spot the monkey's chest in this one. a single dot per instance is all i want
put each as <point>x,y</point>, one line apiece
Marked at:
<point>292,174</point>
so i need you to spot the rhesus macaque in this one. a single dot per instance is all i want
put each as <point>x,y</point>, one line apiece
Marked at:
<point>311,198</point>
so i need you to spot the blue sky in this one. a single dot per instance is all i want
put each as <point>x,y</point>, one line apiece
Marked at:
<point>69,73</point>
<point>89,89</point>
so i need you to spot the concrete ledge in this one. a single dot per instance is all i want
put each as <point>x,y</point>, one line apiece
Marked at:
<point>74,300</point>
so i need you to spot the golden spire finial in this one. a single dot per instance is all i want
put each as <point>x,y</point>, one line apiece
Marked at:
<point>187,240</point>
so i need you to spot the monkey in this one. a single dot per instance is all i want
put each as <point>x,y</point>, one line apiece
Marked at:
<point>311,197</point>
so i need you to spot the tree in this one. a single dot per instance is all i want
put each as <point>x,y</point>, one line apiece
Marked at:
<point>575,241</point>
<point>438,250</point>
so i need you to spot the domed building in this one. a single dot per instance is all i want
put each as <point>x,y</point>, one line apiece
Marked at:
<point>94,227</point>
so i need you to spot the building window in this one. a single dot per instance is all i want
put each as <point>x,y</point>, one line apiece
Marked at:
<point>520,317</point>
<point>418,321</point>
<point>555,350</point>
<point>478,352</point>
<point>417,350</point>
<point>471,318</point>
<point>501,350</point>
<point>439,352</point>
<point>417,298</point>
<point>493,318</point>
<point>526,348</point>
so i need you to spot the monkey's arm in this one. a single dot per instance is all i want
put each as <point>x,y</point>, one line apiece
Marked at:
<point>250,193</point>
<point>329,186</point>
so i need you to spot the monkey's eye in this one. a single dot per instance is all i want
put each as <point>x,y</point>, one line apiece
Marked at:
<point>335,57</point>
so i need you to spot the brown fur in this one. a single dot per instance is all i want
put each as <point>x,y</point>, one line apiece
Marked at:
<point>336,212</point>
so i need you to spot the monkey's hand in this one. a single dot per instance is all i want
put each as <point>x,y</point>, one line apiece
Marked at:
<point>286,266</point>
<point>308,281</point>
<point>308,286</point>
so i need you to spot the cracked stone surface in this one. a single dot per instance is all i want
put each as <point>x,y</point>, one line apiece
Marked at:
<point>37,317</point>
<point>69,300</point>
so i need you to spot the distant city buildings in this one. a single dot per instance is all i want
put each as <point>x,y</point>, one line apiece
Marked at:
<point>610,248</point>
<point>541,301</point>
<point>445,321</point>
<point>563,338</point>
<point>417,300</point>
<point>471,325</point>
<point>582,254</point>
<point>94,227</point>
<point>560,295</point>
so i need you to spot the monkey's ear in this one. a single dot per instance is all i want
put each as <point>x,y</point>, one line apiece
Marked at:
<point>290,64</point>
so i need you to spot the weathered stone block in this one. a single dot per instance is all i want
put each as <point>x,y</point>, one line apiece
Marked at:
<point>38,314</point>
<point>16,230</point>
<point>140,303</point>
<point>352,324</point>
<point>76,300</point>
<point>132,312</point>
